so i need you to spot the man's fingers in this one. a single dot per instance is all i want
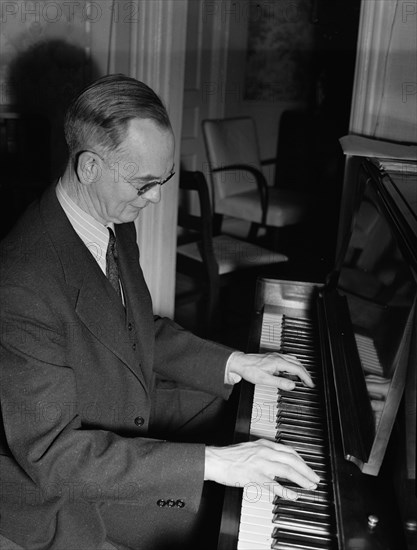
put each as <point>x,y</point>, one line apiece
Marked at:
<point>268,491</point>
<point>285,462</point>
<point>294,367</point>
<point>284,492</point>
<point>284,384</point>
<point>377,405</point>
<point>259,462</point>
<point>297,471</point>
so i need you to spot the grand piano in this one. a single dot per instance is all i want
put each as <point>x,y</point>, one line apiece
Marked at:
<point>357,336</point>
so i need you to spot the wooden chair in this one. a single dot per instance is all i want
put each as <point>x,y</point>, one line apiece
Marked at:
<point>239,187</point>
<point>208,258</point>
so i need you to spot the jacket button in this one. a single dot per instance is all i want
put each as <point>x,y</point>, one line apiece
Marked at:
<point>170,503</point>
<point>134,346</point>
<point>130,326</point>
<point>180,503</point>
<point>139,421</point>
<point>161,503</point>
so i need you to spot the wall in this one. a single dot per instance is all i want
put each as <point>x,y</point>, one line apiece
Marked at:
<point>45,61</point>
<point>51,49</point>
<point>262,85</point>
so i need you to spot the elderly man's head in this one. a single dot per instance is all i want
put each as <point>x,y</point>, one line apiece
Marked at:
<point>121,147</point>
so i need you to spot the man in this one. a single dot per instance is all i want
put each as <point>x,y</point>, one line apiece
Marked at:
<point>89,378</point>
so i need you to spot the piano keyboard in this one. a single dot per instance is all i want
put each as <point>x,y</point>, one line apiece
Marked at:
<point>294,418</point>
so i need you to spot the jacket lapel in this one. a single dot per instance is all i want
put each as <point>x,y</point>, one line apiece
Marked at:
<point>95,301</point>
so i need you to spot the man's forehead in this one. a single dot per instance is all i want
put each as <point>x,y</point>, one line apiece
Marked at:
<point>150,145</point>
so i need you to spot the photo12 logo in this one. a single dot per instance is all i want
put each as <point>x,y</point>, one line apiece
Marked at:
<point>68,11</point>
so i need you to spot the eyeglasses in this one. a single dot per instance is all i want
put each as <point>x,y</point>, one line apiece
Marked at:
<point>146,187</point>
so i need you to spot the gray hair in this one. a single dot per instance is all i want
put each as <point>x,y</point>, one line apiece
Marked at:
<point>100,114</point>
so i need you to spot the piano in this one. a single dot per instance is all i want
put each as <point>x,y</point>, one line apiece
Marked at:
<point>357,336</point>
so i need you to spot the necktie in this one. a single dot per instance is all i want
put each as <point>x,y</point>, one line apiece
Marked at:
<point>112,268</point>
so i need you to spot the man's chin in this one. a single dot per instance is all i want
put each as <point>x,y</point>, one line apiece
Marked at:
<point>130,215</point>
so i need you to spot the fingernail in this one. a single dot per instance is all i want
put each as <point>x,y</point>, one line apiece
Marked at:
<point>289,385</point>
<point>312,487</point>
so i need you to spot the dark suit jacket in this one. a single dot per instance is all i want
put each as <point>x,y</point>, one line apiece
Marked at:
<point>77,373</point>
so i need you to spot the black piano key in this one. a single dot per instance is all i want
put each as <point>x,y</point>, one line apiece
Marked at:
<point>314,461</point>
<point>303,429</point>
<point>318,506</point>
<point>301,402</point>
<point>323,491</point>
<point>304,495</point>
<point>303,347</point>
<point>296,336</point>
<point>310,395</point>
<point>298,330</point>
<point>291,415</point>
<point>301,524</point>
<point>310,412</point>
<point>296,394</point>
<point>309,354</point>
<point>310,541</point>
<point>297,348</point>
<point>288,545</point>
<point>308,446</point>
<point>304,390</point>
<point>305,321</point>
<point>313,444</point>
<point>301,509</point>
<point>292,545</point>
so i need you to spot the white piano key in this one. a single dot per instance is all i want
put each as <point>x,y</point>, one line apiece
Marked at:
<point>262,506</point>
<point>259,520</point>
<point>244,545</point>
<point>257,511</point>
<point>255,533</point>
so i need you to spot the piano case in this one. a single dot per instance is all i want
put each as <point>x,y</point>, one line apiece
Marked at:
<point>364,324</point>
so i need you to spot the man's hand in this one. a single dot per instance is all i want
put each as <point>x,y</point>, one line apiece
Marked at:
<point>259,462</point>
<point>265,369</point>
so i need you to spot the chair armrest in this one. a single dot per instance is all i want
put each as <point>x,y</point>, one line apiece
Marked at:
<point>260,182</point>
<point>268,161</point>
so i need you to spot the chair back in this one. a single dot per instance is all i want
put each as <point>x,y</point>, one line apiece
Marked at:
<point>231,142</point>
<point>200,227</point>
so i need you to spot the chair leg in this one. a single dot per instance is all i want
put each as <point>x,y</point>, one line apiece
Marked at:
<point>253,231</point>
<point>275,239</point>
<point>212,316</point>
<point>217,223</point>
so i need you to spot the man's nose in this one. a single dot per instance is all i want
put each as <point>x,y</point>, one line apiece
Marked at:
<point>154,194</point>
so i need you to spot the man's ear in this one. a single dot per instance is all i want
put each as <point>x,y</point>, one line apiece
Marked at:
<point>88,167</point>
